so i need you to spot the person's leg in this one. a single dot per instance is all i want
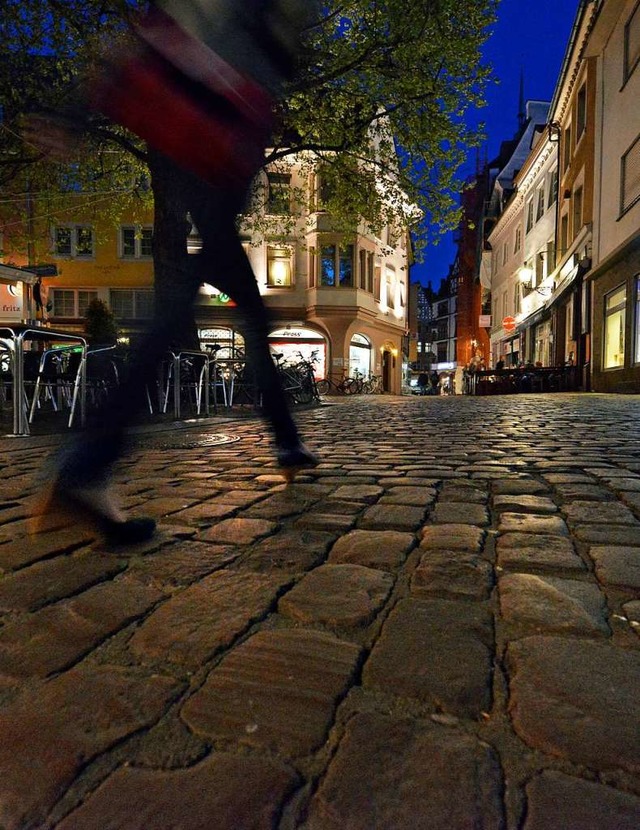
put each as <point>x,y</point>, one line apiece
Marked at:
<point>223,262</point>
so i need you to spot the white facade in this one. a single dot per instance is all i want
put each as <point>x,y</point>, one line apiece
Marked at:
<point>523,255</point>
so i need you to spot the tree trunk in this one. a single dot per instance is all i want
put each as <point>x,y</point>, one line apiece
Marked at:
<point>170,230</point>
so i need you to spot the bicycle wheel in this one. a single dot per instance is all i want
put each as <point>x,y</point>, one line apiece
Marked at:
<point>350,386</point>
<point>323,386</point>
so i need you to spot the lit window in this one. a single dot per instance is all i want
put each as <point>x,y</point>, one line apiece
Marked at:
<point>632,42</point>
<point>614,327</point>
<point>278,267</point>
<point>630,176</point>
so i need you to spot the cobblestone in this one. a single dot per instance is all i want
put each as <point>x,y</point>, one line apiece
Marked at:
<point>439,627</point>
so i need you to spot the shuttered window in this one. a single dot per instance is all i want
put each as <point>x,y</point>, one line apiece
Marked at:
<point>632,42</point>
<point>630,176</point>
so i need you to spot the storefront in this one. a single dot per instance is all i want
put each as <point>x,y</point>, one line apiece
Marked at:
<point>360,355</point>
<point>296,343</point>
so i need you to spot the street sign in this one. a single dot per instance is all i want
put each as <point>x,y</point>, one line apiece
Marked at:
<point>509,323</point>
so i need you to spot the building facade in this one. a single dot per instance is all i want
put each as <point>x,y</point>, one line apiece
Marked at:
<point>342,299</point>
<point>614,278</point>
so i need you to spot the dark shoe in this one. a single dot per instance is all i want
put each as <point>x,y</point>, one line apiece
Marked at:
<point>92,508</point>
<point>293,460</point>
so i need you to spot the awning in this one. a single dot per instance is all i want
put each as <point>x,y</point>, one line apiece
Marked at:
<point>14,273</point>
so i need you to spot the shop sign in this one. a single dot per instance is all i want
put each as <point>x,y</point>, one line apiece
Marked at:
<point>289,333</point>
<point>509,323</point>
<point>11,302</point>
<point>484,321</point>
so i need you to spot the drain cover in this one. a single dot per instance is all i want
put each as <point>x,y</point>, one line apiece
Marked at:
<point>172,441</point>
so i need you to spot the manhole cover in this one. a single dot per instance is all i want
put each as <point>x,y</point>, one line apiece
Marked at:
<point>190,442</point>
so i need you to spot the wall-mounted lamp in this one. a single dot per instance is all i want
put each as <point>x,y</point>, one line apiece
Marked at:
<point>525,277</point>
<point>555,131</point>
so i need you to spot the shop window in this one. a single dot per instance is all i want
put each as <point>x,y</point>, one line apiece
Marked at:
<point>279,270</point>
<point>615,304</point>
<point>632,42</point>
<point>74,241</point>
<point>135,242</point>
<point>630,176</point>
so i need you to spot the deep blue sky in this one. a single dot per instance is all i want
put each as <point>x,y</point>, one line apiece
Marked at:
<point>529,35</point>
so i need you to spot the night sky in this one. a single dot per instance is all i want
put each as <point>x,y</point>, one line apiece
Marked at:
<point>529,36</point>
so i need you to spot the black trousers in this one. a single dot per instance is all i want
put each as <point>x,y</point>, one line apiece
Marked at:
<point>222,262</point>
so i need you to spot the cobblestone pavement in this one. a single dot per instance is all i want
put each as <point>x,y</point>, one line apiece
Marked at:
<point>437,628</point>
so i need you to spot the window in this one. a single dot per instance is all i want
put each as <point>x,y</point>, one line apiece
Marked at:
<point>552,189</point>
<point>636,321</point>
<point>551,255</point>
<point>74,241</point>
<point>130,304</point>
<point>336,266</point>
<point>577,210</point>
<point>581,111</point>
<point>614,325</point>
<point>135,242</point>
<point>505,253</point>
<point>279,270</point>
<point>566,148</point>
<point>279,195</point>
<point>540,202</point>
<point>630,176</point>
<point>517,244</point>
<point>539,268</point>
<point>69,302</point>
<point>529,215</point>
<point>632,43</point>
<point>564,234</point>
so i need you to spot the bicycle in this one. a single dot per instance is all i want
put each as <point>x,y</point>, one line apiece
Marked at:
<point>298,381</point>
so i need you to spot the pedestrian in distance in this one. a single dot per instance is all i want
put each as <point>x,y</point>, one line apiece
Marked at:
<point>423,383</point>
<point>199,83</point>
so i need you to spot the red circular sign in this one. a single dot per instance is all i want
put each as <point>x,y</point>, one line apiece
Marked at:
<point>509,323</point>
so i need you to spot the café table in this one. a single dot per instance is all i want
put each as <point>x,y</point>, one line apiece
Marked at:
<point>13,338</point>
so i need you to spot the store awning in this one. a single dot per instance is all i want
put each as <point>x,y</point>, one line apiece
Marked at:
<point>14,273</point>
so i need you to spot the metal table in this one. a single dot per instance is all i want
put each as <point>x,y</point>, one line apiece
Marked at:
<point>12,338</point>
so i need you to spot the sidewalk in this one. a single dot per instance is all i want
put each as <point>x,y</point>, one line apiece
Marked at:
<point>436,629</point>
